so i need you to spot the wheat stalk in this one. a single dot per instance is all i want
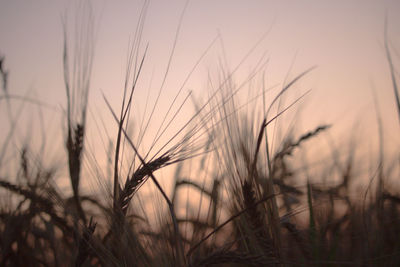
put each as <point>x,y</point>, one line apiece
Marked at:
<point>137,179</point>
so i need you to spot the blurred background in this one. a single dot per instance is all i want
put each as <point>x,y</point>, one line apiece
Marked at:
<point>203,76</point>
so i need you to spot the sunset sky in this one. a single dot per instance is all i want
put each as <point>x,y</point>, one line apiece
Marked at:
<point>344,39</point>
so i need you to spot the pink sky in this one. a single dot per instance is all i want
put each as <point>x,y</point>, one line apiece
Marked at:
<point>344,39</point>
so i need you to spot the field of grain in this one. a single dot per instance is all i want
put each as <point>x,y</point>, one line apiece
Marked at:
<point>230,184</point>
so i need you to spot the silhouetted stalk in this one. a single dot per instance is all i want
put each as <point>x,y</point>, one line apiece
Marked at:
<point>392,72</point>
<point>77,92</point>
<point>149,172</point>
